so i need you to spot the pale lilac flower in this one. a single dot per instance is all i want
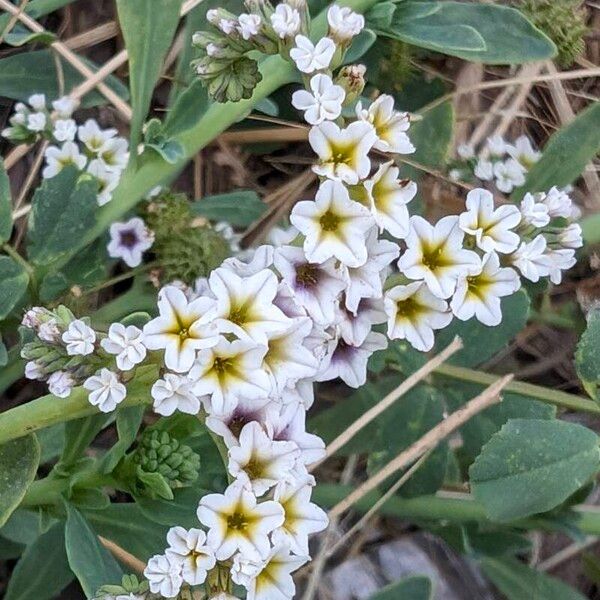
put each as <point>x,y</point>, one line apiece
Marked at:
<point>484,170</point>
<point>64,130</point>
<point>36,121</point>
<point>79,338</point>
<point>311,57</point>
<point>129,240</point>
<point>37,102</point>
<point>106,391</point>
<point>165,575</point>
<point>285,21</point>
<point>322,103</point>
<point>34,370</point>
<point>188,547</point>
<point>249,25</point>
<point>60,383</point>
<point>64,107</point>
<point>174,392</point>
<point>127,343</point>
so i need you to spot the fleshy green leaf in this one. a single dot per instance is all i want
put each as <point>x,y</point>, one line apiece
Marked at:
<point>566,153</point>
<point>486,33</point>
<point>27,73</point>
<point>63,210</point>
<point>587,357</point>
<point>78,436</point>
<point>180,510</point>
<point>480,341</point>
<point>19,460</point>
<point>13,284</point>
<point>240,208</point>
<point>92,564</point>
<point>148,29</point>
<point>410,588</point>
<point>5,205</point>
<point>519,582</point>
<point>128,424</point>
<point>530,466</point>
<point>189,107</point>
<point>43,570</point>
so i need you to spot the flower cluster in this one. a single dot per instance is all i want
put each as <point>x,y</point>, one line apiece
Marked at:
<point>99,152</point>
<point>500,163</point>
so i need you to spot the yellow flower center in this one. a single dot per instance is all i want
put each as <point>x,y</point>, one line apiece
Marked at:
<point>238,521</point>
<point>255,468</point>
<point>329,221</point>
<point>407,309</point>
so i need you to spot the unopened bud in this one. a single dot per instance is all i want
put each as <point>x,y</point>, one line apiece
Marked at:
<point>352,79</point>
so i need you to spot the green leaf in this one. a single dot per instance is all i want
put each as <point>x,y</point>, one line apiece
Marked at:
<point>518,582</point>
<point>43,570</point>
<point>189,108</point>
<point>19,460</point>
<point>35,72</point>
<point>411,588</point>
<point>148,29</point>
<point>155,484</point>
<point>361,43</point>
<point>63,210</point>
<point>3,353</point>
<point>240,208</point>
<point>52,442</point>
<point>566,153</point>
<point>486,33</point>
<point>20,38</point>
<point>530,466</point>
<point>92,564</point>
<point>128,424</point>
<point>128,527</point>
<point>5,205</point>
<point>482,342</point>
<point>409,418</point>
<point>23,527</point>
<point>36,9</point>
<point>10,549</point>
<point>180,510</point>
<point>78,436</point>
<point>587,356</point>
<point>13,284</point>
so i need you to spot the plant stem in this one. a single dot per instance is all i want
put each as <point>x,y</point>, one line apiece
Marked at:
<point>550,396</point>
<point>457,508</point>
<point>49,410</point>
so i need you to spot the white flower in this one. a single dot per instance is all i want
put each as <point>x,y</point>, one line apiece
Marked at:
<point>181,328</point>
<point>236,521</point>
<point>115,153</point>
<point>174,392</point>
<point>244,305</point>
<point>274,581</point>
<point>465,151</point>
<point>64,107</point>
<point>58,158</point>
<point>108,180</point>
<point>314,286</point>
<point>388,196</point>
<point>344,24</point>
<point>64,130</point>
<point>354,327</point>
<point>558,202</point>
<point>310,57</point>
<point>323,104</point>
<point>558,261</point>
<point>79,338</point>
<point>509,175</point>
<point>349,362</point>
<point>571,236</point>
<point>127,343</point>
<point>529,259</point>
<point>496,145</point>
<point>259,461</point>
<point>479,294</point>
<point>287,360</point>
<point>228,371</point>
<point>435,253</point>
<point>48,331</point>
<point>106,391</point>
<point>413,314</point>
<point>343,153</point>
<point>249,25</point>
<point>302,517</point>
<point>188,547</point>
<point>533,212</point>
<point>37,101</point>
<point>523,152</point>
<point>164,574</point>
<point>93,137</point>
<point>390,125</point>
<point>34,370</point>
<point>245,568</point>
<point>366,281</point>
<point>36,121</point>
<point>129,240</point>
<point>484,170</point>
<point>285,21</point>
<point>334,226</point>
<point>257,260</point>
<point>491,228</point>
<point>60,383</point>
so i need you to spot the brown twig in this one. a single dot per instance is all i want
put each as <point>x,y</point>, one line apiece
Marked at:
<point>430,440</point>
<point>122,555</point>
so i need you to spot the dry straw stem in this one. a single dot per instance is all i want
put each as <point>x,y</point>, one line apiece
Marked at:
<point>388,400</point>
<point>430,440</point>
<point>122,106</point>
<point>123,556</point>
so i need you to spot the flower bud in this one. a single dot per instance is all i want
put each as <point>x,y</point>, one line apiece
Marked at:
<point>352,79</point>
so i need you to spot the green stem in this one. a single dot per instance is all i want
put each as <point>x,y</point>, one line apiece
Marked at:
<point>12,371</point>
<point>550,396</point>
<point>458,508</point>
<point>49,410</point>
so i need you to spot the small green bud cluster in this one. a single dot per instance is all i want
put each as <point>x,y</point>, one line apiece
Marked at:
<point>162,464</point>
<point>563,21</point>
<point>186,246</point>
<point>131,588</point>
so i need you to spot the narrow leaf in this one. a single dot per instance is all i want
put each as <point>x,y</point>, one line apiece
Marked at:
<point>410,588</point>
<point>5,205</point>
<point>13,284</point>
<point>239,208</point>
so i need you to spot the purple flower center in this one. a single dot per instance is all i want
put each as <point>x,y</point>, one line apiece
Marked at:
<point>307,275</point>
<point>128,238</point>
